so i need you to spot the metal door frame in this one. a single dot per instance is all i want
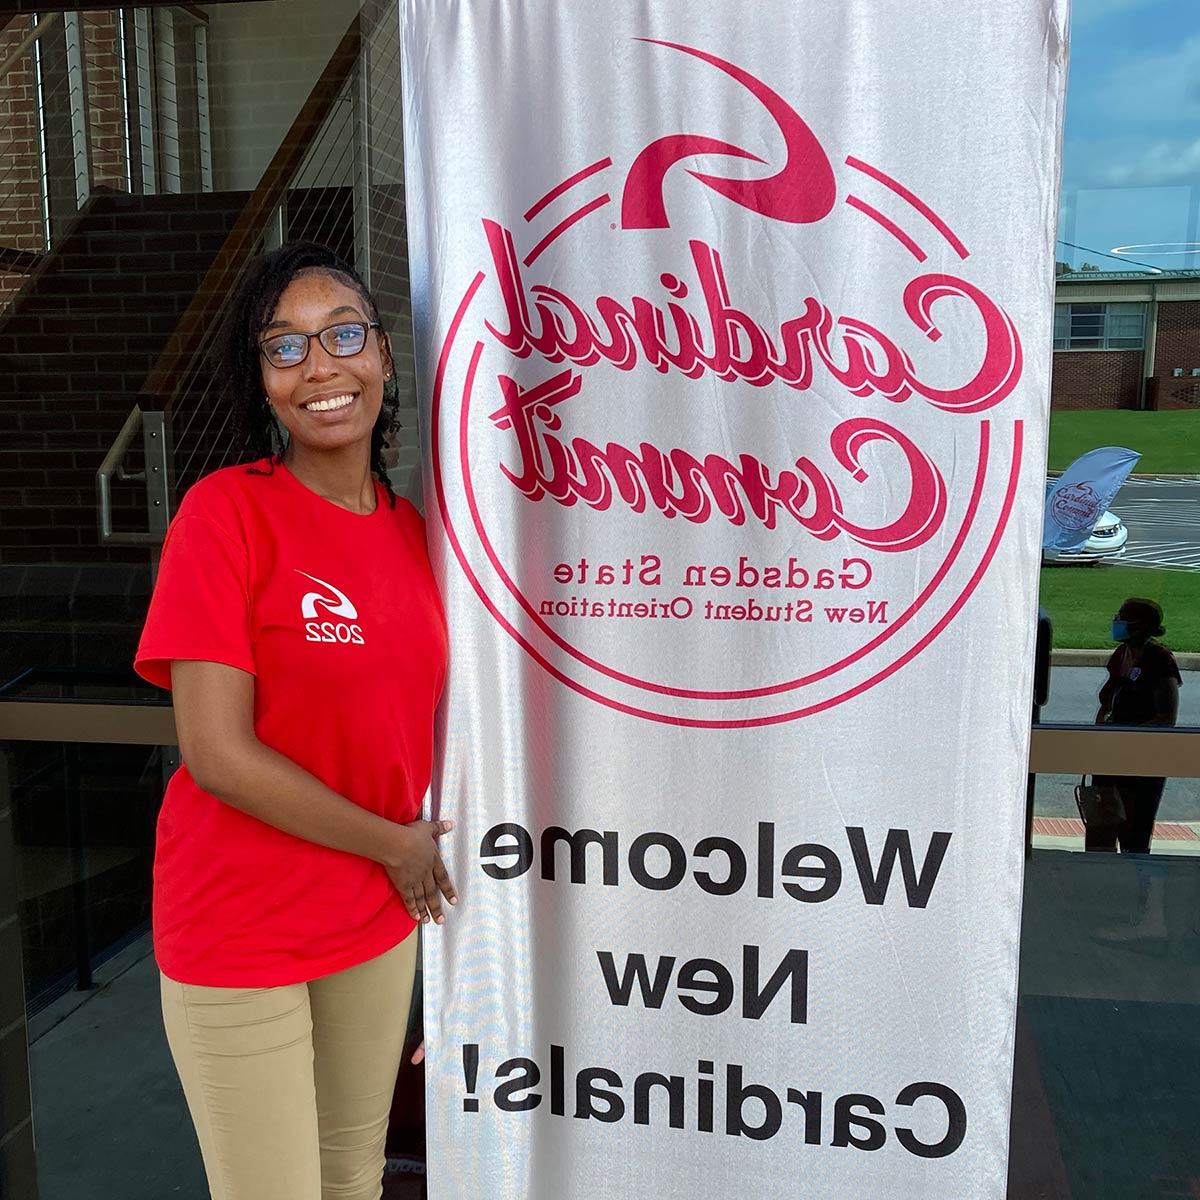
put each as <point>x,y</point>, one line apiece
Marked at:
<point>1054,749</point>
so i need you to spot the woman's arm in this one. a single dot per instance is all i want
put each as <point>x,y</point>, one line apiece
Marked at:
<point>214,717</point>
<point>1166,702</point>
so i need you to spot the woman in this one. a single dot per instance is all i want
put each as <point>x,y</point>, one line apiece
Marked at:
<point>1142,689</point>
<point>296,621</point>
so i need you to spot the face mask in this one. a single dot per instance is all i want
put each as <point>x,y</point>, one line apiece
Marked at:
<point>1120,630</point>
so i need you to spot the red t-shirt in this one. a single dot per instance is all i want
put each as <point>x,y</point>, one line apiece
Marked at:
<point>337,617</point>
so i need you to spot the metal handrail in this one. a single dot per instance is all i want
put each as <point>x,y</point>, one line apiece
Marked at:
<point>108,468</point>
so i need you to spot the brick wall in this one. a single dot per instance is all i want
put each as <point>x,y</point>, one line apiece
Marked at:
<point>263,60</point>
<point>21,190</point>
<point>21,199</point>
<point>1096,379</point>
<point>74,354</point>
<point>106,108</point>
<point>1178,347</point>
<point>78,343</point>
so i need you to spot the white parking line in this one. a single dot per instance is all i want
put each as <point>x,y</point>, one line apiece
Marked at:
<point>1164,481</point>
<point>1160,504</point>
<point>1185,558</point>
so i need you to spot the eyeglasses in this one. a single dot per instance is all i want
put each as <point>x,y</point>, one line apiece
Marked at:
<point>342,340</point>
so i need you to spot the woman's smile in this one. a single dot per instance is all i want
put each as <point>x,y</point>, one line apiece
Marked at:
<point>330,406</point>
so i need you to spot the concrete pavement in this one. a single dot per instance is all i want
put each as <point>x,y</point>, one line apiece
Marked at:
<point>1073,692</point>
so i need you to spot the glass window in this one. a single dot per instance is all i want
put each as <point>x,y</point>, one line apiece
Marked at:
<point>1062,321</point>
<point>1107,1038</point>
<point>1115,326</point>
<point>145,155</point>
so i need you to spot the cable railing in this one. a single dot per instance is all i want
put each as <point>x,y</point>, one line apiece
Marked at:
<point>22,131</point>
<point>316,187</point>
<point>318,202</point>
<point>316,152</point>
<point>37,28</point>
<point>62,74</point>
<point>329,160</point>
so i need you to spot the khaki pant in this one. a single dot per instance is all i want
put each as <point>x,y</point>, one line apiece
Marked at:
<point>290,1087</point>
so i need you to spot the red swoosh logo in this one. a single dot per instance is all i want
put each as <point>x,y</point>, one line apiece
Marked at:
<point>802,191</point>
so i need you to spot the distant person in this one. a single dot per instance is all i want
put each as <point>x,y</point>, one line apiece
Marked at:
<point>1142,689</point>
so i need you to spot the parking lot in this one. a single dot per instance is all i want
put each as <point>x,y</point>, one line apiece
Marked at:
<point>1163,519</point>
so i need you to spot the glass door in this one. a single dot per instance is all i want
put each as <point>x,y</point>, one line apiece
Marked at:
<point>133,192</point>
<point>1108,1041</point>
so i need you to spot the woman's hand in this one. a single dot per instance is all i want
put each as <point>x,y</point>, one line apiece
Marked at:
<point>416,869</point>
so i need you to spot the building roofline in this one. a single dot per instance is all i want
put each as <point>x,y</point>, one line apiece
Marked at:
<point>1124,276</point>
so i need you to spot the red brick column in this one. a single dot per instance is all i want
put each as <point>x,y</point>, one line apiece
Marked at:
<point>21,194</point>
<point>106,109</point>
<point>1178,347</point>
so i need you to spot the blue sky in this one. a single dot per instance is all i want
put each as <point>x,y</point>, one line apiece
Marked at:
<point>1131,149</point>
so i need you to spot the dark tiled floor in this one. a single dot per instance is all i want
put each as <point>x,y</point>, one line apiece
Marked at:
<point>1108,1048</point>
<point>110,1117</point>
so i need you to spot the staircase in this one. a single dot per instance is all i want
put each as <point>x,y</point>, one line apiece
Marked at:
<point>76,347</point>
<point>122,310</point>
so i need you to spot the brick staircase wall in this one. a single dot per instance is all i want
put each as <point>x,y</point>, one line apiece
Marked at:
<point>20,165</point>
<point>75,351</point>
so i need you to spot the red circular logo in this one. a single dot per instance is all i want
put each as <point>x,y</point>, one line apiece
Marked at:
<point>694,486</point>
<point>1075,506</point>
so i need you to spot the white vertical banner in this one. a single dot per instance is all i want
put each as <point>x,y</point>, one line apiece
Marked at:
<point>733,327</point>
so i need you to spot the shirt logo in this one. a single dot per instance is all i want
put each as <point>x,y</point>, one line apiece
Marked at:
<point>337,605</point>
<point>332,602</point>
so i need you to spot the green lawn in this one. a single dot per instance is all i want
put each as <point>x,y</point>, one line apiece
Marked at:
<point>1169,442</point>
<point>1081,601</point>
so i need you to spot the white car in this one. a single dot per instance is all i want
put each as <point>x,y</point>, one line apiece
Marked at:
<point>1107,540</point>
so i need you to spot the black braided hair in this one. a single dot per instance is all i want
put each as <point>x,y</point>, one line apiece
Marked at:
<point>256,432</point>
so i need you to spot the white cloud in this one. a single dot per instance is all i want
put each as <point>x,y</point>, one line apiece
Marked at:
<point>1135,126</point>
<point>1162,162</point>
<point>1155,89</point>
